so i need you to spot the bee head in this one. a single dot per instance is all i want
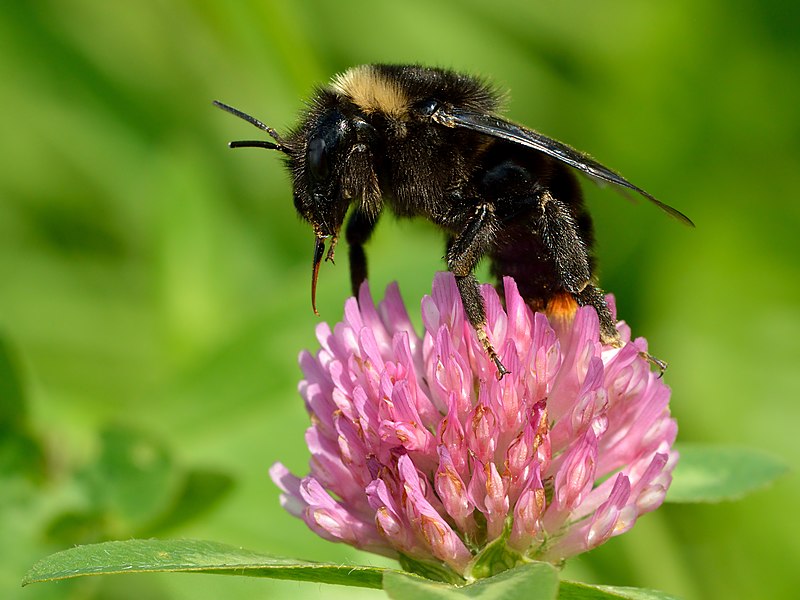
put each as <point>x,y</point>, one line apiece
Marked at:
<point>333,165</point>
<point>332,160</point>
<point>322,168</point>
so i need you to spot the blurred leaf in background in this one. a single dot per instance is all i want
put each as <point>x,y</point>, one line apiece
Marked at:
<point>135,489</point>
<point>155,285</point>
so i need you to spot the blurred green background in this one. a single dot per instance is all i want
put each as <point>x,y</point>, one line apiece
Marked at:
<point>155,284</point>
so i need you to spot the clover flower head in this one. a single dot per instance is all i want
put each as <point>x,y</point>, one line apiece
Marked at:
<point>419,452</point>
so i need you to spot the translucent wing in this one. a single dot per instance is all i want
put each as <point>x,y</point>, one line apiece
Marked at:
<point>517,134</point>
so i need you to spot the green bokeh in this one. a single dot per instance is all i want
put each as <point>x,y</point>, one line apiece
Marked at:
<point>154,279</point>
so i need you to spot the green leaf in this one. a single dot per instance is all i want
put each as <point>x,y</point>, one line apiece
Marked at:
<point>571,590</point>
<point>429,569</point>
<point>711,473</point>
<point>150,556</point>
<point>533,581</point>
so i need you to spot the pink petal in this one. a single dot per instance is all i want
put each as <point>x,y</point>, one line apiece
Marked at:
<point>442,541</point>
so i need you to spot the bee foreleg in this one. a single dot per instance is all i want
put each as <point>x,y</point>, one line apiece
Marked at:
<point>359,228</point>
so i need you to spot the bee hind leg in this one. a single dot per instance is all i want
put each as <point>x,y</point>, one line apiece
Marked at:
<point>594,296</point>
<point>591,295</point>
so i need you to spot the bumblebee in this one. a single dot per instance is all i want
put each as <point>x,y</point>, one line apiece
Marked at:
<point>429,142</point>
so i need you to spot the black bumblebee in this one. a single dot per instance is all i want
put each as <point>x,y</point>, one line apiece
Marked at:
<point>428,142</point>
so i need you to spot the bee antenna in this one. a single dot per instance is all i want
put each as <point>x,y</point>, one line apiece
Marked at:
<point>255,144</point>
<point>281,146</point>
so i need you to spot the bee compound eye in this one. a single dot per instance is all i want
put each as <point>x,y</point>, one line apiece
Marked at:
<point>317,158</point>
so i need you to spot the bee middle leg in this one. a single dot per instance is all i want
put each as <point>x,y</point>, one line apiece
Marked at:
<point>464,251</point>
